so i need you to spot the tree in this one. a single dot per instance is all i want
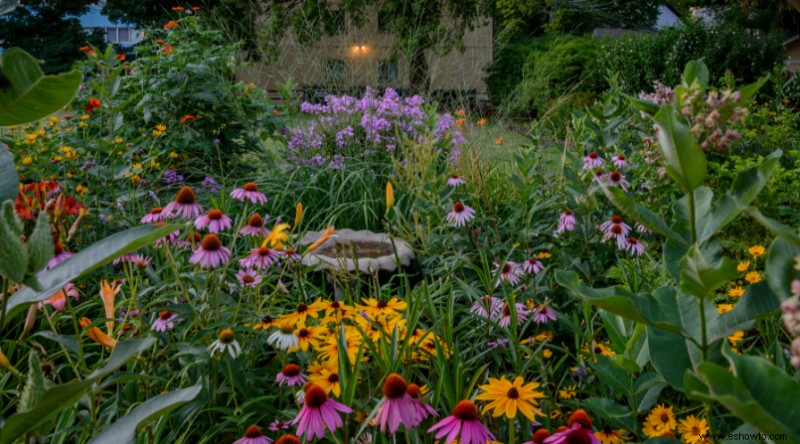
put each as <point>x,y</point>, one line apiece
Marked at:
<point>48,30</point>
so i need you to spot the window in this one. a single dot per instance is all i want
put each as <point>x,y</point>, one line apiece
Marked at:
<point>336,71</point>
<point>387,71</point>
<point>124,35</point>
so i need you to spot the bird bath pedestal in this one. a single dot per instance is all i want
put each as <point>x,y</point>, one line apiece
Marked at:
<point>362,251</point>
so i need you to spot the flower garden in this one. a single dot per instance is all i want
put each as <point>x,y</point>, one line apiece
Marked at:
<point>635,278</point>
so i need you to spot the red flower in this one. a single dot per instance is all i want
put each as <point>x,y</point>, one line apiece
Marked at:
<point>171,24</point>
<point>120,57</point>
<point>92,105</point>
<point>87,49</point>
<point>195,8</point>
<point>177,8</point>
<point>168,49</point>
<point>188,117</point>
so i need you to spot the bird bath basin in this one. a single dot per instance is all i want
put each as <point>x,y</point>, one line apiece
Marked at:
<point>362,251</point>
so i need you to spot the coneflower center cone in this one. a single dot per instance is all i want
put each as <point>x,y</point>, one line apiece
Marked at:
<point>581,417</point>
<point>466,411</point>
<point>156,210</point>
<point>226,336</point>
<point>253,432</point>
<point>186,196</point>
<point>288,439</point>
<point>247,279</point>
<point>255,221</point>
<point>458,207</point>
<point>414,391</point>
<point>578,437</point>
<point>291,370</point>
<point>215,214</point>
<point>211,243</point>
<point>165,314</point>
<point>250,186</point>
<point>315,397</point>
<point>395,386</point>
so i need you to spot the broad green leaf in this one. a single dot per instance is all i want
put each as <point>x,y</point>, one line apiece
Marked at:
<point>779,229</point>
<point>638,212</point>
<point>31,95</point>
<point>756,391</point>
<point>644,105</point>
<point>669,355</point>
<point>662,440</point>
<point>86,260</point>
<point>611,411</point>
<point>700,277</point>
<point>744,434</point>
<point>659,310</point>
<point>780,267</point>
<point>62,396</point>
<point>758,301</point>
<point>124,430</point>
<point>686,163</point>
<point>9,179</point>
<point>695,74</point>
<point>746,187</point>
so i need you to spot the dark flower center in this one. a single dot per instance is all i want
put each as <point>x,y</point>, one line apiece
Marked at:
<point>333,378</point>
<point>288,439</point>
<point>578,436</point>
<point>664,418</point>
<point>211,243</point>
<point>264,251</point>
<point>302,308</point>
<point>335,305</point>
<point>156,210</point>
<point>580,417</point>
<point>215,214</point>
<point>194,237</point>
<point>255,221</point>
<point>164,315</point>
<point>414,391</point>
<point>303,333</point>
<point>633,240</point>
<point>186,196</point>
<point>247,279</point>
<point>394,386</point>
<point>616,220</point>
<point>458,207</point>
<point>540,436</point>
<point>616,176</point>
<point>226,336</point>
<point>621,157</point>
<point>315,396</point>
<point>253,432</point>
<point>593,155</point>
<point>513,393</point>
<point>59,248</point>
<point>250,186</point>
<point>382,304</point>
<point>568,212</point>
<point>598,173</point>
<point>616,229</point>
<point>291,370</point>
<point>466,411</point>
<point>266,319</point>
<point>506,268</point>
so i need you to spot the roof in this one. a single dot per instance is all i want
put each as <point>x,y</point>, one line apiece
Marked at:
<point>94,18</point>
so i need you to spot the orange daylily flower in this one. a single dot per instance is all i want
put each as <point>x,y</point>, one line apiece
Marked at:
<point>188,117</point>
<point>107,293</point>
<point>120,57</point>
<point>97,335</point>
<point>481,122</point>
<point>171,24</point>
<point>325,236</point>
<point>177,8</point>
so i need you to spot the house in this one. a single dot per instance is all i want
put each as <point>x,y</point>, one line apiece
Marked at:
<point>792,47</point>
<point>668,17</point>
<point>120,34</point>
<point>362,56</point>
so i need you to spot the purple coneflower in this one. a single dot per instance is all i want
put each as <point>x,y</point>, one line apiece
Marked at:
<point>155,215</point>
<point>619,161</point>
<point>455,181</point>
<point>566,222</point>
<point>255,226</point>
<point>211,253</point>
<point>249,191</point>
<point>318,412</point>
<point>59,300</point>
<point>169,239</point>
<point>253,435</point>
<point>291,375</point>
<point>260,258</point>
<point>592,160</point>
<point>641,229</point>
<point>509,272</point>
<point>634,247</point>
<point>397,407</point>
<point>505,317</point>
<point>248,278</point>
<point>164,321</point>
<point>59,256</point>
<point>615,228</point>
<point>215,220</point>
<point>290,254</point>
<point>599,176</point>
<point>498,343</point>
<point>487,307</point>
<point>460,215</point>
<point>278,425</point>
<point>616,179</point>
<point>122,259</point>
<point>579,429</point>
<point>423,409</point>
<point>532,266</point>
<point>185,204</point>
<point>463,424</point>
<point>544,315</point>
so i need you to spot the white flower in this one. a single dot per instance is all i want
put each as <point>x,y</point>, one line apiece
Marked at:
<point>226,342</point>
<point>283,338</point>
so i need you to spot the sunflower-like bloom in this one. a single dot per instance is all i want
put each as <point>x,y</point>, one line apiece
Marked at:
<point>508,396</point>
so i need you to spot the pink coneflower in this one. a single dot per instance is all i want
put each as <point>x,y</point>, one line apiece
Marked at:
<point>255,226</point>
<point>592,160</point>
<point>211,253</point>
<point>463,424</point>
<point>498,343</point>
<point>543,315</point>
<point>634,247</point>
<point>487,307</point>
<point>59,256</point>
<point>290,254</point>
<point>185,204</point>
<point>169,239</point>
<point>260,258</point>
<point>532,266</point>
<point>249,191</point>
<point>460,215</point>
<point>509,272</point>
<point>566,222</point>
<point>619,161</point>
<point>155,215</point>
<point>455,181</point>
<point>123,259</point>
<point>396,407</point>
<point>505,317</point>
<point>192,240</point>
<point>215,220</point>
<point>279,425</point>
<point>616,179</point>
<point>253,435</point>
<point>164,321</point>
<point>641,229</point>
<point>291,376</point>
<point>599,176</point>
<point>59,300</point>
<point>579,430</point>
<point>614,228</point>
<point>248,278</point>
<point>318,412</point>
<point>423,409</point>
<point>138,260</point>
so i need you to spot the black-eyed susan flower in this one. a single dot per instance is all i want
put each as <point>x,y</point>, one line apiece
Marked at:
<point>659,421</point>
<point>506,397</point>
<point>753,277</point>
<point>607,435</point>
<point>376,309</point>
<point>692,428</point>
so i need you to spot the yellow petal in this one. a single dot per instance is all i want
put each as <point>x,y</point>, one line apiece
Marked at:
<point>298,214</point>
<point>389,197</point>
<point>325,236</point>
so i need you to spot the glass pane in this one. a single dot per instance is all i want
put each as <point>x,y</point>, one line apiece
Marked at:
<point>124,35</point>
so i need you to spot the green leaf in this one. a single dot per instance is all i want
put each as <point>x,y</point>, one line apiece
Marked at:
<point>780,267</point>
<point>669,355</point>
<point>756,391</point>
<point>638,212</point>
<point>748,184</point>
<point>9,179</point>
<point>758,301</point>
<point>32,95</point>
<point>700,278</point>
<point>62,396</point>
<point>695,74</point>
<point>644,105</point>
<point>662,440</point>
<point>124,430</point>
<point>686,163</point>
<point>40,244</point>
<point>611,411</point>
<point>86,260</point>
<point>776,227</point>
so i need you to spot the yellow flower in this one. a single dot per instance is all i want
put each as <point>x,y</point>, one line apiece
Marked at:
<point>724,308</point>
<point>507,396</point>
<point>544,255</point>
<point>298,214</point>
<point>53,119</point>
<point>736,337</point>
<point>277,236</point>
<point>381,309</point>
<point>308,336</point>
<point>154,164</point>
<point>173,155</point>
<point>97,335</point>
<point>157,133</point>
<point>135,178</point>
<point>389,197</point>
<point>611,436</point>
<point>660,420</point>
<point>80,189</point>
<point>27,160</point>
<point>499,140</point>
<point>118,140</point>
<point>567,392</point>
<point>735,292</point>
<point>161,127</point>
<point>328,380</point>
<point>85,117</point>
<point>756,251</point>
<point>753,277</point>
<point>481,122</point>
<point>691,428</point>
<point>547,353</point>
<point>743,266</point>
<point>322,239</point>
<point>107,293</point>
<point>137,166</point>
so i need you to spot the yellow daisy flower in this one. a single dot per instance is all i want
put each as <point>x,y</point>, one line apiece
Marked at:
<point>736,337</point>
<point>508,396</point>
<point>611,436</point>
<point>691,428</point>
<point>724,308</point>
<point>743,266</point>
<point>567,392</point>
<point>660,420</point>
<point>753,277</point>
<point>756,251</point>
<point>735,292</point>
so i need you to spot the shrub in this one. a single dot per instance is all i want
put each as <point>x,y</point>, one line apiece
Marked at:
<point>506,72</point>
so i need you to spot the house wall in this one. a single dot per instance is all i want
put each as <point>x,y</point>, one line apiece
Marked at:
<point>793,56</point>
<point>362,50</point>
